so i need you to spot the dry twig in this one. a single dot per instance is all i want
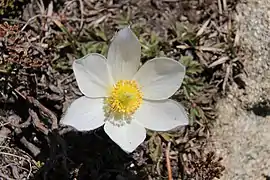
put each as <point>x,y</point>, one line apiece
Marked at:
<point>200,32</point>
<point>168,163</point>
<point>37,123</point>
<point>45,111</point>
<point>20,157</point>
<point>228,70</point>
<point>5,177</point>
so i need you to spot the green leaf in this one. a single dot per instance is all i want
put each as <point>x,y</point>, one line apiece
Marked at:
<point>166,136</point>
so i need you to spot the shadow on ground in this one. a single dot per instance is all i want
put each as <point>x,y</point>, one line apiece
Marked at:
<point>261,108</point>
<point>66,153</point>
<point>84,156</point>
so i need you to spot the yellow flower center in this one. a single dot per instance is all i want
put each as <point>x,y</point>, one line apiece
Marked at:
<point>124,99</point>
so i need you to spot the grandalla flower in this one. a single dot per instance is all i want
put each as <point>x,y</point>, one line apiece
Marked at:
<point>124,98</point>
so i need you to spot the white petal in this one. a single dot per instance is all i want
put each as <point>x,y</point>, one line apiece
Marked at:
<point>160,78</point>
<point>85,114</point>
<point>128,136</point>
<point>92,75</point>
<point>161,115</point>
<point>124,55</point>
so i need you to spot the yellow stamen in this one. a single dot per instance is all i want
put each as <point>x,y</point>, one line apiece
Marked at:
<point>124,99</point>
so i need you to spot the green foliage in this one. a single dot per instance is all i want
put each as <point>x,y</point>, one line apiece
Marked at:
<point>39,164</point>
<point>90,47</point>
<point>150,46</point>
<point>192,83</point>
<point>155,149</point>
<point>98,42</point>
<point>195,113</point>
<point>155,143</point>
<point>123,19</point>
<point>93,41</point>
<point>184,32</point>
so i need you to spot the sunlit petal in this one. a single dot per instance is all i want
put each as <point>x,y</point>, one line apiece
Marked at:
<point>124,55</point>
<point>128,136</point>
<point>161,115</point>
<point>92,75</point>
<point>84,114</point>
<point>160,78</point>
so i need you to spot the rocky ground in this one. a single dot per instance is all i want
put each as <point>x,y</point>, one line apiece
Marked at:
<point>242,131</point>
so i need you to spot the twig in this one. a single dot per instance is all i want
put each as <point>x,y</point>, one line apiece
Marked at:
<point>201,58</point>
<point>14,20</point>
<point>6,177</point>
<point>237,38</point>
<point>16,92</point>
<point>168,163</point>
<point>26,123</point>
<point>15,172</point>
<point>15,123</point>
<point>1,125</point>
<point>30,20</point>
<point>220,10</point>
<point>228,70</point>
<point>49,13</point>
<point>45,111</point>
<point>225,5</point>
<point>219,61</point>
<point>37,122</point>
<point>82,12</point>
<point>201,48</point>
<point>21,157</point>
<point>210,49</point>
<point>200,32</point>
<point>219,7</point>
<point>42,108</point>
<point>31,147</point>
<point>4,132</point>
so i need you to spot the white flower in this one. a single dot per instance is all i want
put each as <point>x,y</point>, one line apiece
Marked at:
<point>124,98</point>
